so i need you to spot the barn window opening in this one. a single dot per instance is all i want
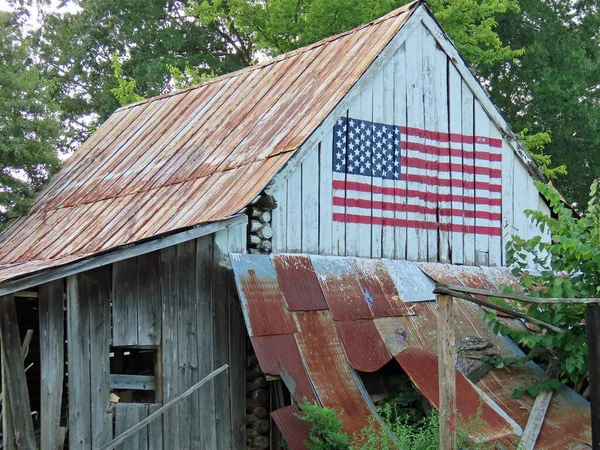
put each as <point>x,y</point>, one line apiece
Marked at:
<point>133,374</point>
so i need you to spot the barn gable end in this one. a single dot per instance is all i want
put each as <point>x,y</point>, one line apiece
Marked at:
<point>420,112</point>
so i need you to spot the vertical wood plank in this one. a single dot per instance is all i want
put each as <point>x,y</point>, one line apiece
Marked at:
<point>326,194</point>
<point>431,125</point>
<point>170,364</point>
<point>444,202</point>
<point>187,344</point>
<point>468,178</point>
<point>456,189</point>
<point>205,334</point>
<point>8,431</point>
<point>377,182</point>
<point>279,220</point>
<point>148,299</point>
<point>388,239</point>
<point>495,242</point>
<point>97,290</point>
<point>294,212</point>
<point>237,368</point>
<point>124,303</point>
<point>339,227</point>
<point>237,239</point>
<point>15,381</point>
<point>221,335</point>
<point>400,120</point>
<point>155,432</point>
<point>508,197</point>
<point>52,324</point>
<point>143,434</point>
<point>126,416</point>
<point>310,202</point>
<point>482,179</point>
<point>78,351</point>
<point>446,372</point>
<point>416,245</point>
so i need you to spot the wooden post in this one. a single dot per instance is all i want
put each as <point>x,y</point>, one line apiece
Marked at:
<point>592,325</point>
<point>446,372</point>
<point>16,395</point>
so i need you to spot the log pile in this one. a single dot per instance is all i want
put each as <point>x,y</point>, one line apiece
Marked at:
<point>259,224</point>
<point>257,407</point>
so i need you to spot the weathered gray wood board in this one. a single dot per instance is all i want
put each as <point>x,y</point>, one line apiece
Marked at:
<point>52,320</point>
<point>88,336</point>
<point>462,190</point>
<point>20,433</point>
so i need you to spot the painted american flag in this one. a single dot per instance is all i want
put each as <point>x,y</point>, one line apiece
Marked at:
<point>408,177</point>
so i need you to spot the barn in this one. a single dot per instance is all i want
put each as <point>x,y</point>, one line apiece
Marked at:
<point>288,221</point>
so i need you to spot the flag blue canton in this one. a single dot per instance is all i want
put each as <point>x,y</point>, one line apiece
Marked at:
<point>366,148</point>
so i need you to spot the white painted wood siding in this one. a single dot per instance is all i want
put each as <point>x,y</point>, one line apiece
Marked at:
<point>460,156</point>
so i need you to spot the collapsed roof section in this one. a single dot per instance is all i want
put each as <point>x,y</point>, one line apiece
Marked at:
<point>317,321</point>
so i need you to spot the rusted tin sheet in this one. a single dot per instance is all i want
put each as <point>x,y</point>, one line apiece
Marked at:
<point>298,282</point>
<point>567,420</point>
<point>440,273</point>
<point>331,375</point>
<point>379,288</point>
<point>411,282</point>
<point>501,276</point>
<point>262,301</point>
<point>422,368</point>
<point>279,355</point>
<point>364,347</point>
<point>294,430</point>
<point>239,130</point>
<point>340,286</point>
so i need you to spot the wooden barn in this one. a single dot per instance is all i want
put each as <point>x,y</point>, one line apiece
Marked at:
<point>288,220</point>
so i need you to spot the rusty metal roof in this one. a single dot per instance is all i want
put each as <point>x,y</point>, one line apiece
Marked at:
<point>189,157</point>
<point>368,321</point>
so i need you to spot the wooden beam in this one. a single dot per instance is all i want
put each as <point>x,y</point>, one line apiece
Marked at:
<point>521,298</point>
<point>445,291</point>
<point>134,382</point>
<point>119,254</point>
<point>160,411</point>
<point>592,325</point>
<point>13,373</point>
<point>52,341</point>
<point>446,372</point>
<point>538,412</point>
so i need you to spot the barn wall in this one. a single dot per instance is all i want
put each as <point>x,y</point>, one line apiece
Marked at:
<point>181,302</point>
<point>459,199</point>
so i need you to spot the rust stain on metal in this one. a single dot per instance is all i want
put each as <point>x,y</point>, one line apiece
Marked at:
<point>298,282</point>
<point>234,132</point>
<point>422,368</point>
<point>262,301</point>
<point>379,289</point>
<point>364,347</point>
<point>279,355</point>
<point>340,286</point>
<point>328,369</point>
<point>294,430</point>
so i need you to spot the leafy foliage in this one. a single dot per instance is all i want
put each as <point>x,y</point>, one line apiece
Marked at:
<point>569,262</point>
<point>29,125</point>
<point>326,431</point>
<point>535,145</point>
<point>125,91</point>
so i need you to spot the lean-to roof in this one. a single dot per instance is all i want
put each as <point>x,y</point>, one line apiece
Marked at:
<point>191,157</point>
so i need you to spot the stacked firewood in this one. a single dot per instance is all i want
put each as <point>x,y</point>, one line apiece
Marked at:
<point>259,224</point>
<point>257,407</point>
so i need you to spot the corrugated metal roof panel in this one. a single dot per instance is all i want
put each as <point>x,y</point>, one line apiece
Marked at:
<point>233,132</point>
<point>330,348</point>
<point>279,355</point>
<point>294,430</point>
<point>422,368</point>
<point>262,300</point>
<point>364,347</point>
<point>299,283</point>
<point>340,286</point>
<point>410,281</point>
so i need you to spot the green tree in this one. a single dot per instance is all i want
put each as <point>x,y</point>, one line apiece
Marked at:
<point>555,85</point>
<point>29,126</point>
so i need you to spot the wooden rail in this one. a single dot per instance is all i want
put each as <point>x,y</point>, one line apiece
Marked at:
<point>159,412</point>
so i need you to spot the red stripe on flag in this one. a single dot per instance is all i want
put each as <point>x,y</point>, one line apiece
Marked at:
<point>388,221</point>
<point>452,137</point>
<point>418,163</point>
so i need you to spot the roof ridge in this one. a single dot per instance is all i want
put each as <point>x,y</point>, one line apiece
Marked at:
<point>284,56</point>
